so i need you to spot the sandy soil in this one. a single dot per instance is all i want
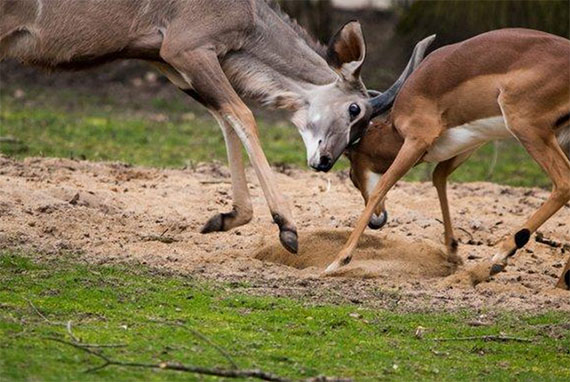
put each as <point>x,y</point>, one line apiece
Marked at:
<point>111,213</point>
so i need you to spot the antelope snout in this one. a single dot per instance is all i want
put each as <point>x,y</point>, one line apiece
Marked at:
<point>323,163</point>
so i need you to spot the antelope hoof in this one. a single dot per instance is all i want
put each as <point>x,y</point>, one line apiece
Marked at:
<point>496,268</point>
<point>334,266</point>
<point>337,264</point>
<point>377,222</point>
<point>215,224</point>
<point>289,240</point>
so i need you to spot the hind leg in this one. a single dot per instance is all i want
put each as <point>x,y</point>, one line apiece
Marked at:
<point>439,179</point>
<point>564,282</point>
<point>200,68</point>
<point>542,145</point>
<point>242,211</point>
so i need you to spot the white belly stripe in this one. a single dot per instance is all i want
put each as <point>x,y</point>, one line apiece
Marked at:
<point>459,139</point>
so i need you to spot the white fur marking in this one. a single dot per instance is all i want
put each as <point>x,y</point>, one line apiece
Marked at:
<point>187,79</point>
<point>372,180</point>
<point>40,9</point>
<point>146,7</point>
<point>316,118</point>
<point>459,139</point>
<point>311,143</point>
<point>563,137</point>
<point>240,131</point>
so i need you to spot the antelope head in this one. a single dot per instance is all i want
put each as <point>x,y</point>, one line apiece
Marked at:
<point>339,113</point>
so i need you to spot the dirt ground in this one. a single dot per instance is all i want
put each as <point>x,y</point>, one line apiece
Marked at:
<point>114,213</point>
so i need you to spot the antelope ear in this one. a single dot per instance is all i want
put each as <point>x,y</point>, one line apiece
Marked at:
<point>346,51</point>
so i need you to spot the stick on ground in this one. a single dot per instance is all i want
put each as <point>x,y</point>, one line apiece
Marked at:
<point>499,338</point>
<point>218,372</point>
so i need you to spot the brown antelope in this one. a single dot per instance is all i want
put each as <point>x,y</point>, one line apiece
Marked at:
<point>500,84</point>
<point>216,51</point>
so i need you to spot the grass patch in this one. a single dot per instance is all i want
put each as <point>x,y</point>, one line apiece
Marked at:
<point>285,336</point>
<point>102,128</point>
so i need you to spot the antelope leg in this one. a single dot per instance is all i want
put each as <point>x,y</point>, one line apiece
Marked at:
<point>242,211</point>
<point>542,145</point>
<point>411,151</point>
<point>200,68</point>
<point>439,178</point>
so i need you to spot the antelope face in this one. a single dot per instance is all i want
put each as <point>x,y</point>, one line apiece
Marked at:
<point>337,113</point>
<point>335,119</point>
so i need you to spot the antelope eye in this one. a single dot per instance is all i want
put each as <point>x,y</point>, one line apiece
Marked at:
<point>353,110</point>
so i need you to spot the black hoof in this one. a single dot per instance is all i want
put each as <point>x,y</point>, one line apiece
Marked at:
<point>453,245</point>
<point>567,279</point>
<point>289,241</point>
<point>496,268</point>
<point>377,222</point>
<point>215,224</point>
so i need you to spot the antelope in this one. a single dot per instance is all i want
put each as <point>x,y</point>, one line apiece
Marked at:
<point>218,52</point>
<point>500,84</point>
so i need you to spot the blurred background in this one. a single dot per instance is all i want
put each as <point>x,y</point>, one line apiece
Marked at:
<point>125,111</point>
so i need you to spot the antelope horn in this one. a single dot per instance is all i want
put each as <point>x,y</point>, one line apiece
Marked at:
<point>382,102</point>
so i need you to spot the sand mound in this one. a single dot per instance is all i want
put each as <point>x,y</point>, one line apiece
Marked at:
<point>470,276</point>
<point>375,256</point>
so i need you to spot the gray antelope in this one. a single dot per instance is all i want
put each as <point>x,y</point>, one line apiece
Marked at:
<point>500,84</point>
<point>218,52</point>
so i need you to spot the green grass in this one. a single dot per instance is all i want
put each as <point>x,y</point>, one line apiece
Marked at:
<point>120,305</point>
<point>65,123</point>
<point>95,128</point>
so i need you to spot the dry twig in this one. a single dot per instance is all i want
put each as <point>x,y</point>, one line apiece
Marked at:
<point>499,338</point>
<point>203,337</point>
<point>220,349</point>
<point>9,139</point>
<point>70,332</point>
<point>218,372</point>
<point>539,238</point>
<point>491,169</point>
<point>459,228</point>
<point>206,182</point>
<point>162,239</point>
<point>37,310</point>
<point>77,340</point>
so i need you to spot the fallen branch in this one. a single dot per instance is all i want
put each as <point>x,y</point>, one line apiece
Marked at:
<point>162,239</point>
<point>220,349</point>
<point>9,139</point>
<point>467,232</point>
<point>217,372</point>
<point>37,310</point>
<point>203,337</point>
<point>499,338</point>
<point>77,340</point>
<point>539,238</point>
<point>70,332</point>
<point>459,228</point>
<point>205,182</point>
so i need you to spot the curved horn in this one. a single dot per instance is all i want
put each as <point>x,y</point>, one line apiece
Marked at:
<point>383,102</point>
